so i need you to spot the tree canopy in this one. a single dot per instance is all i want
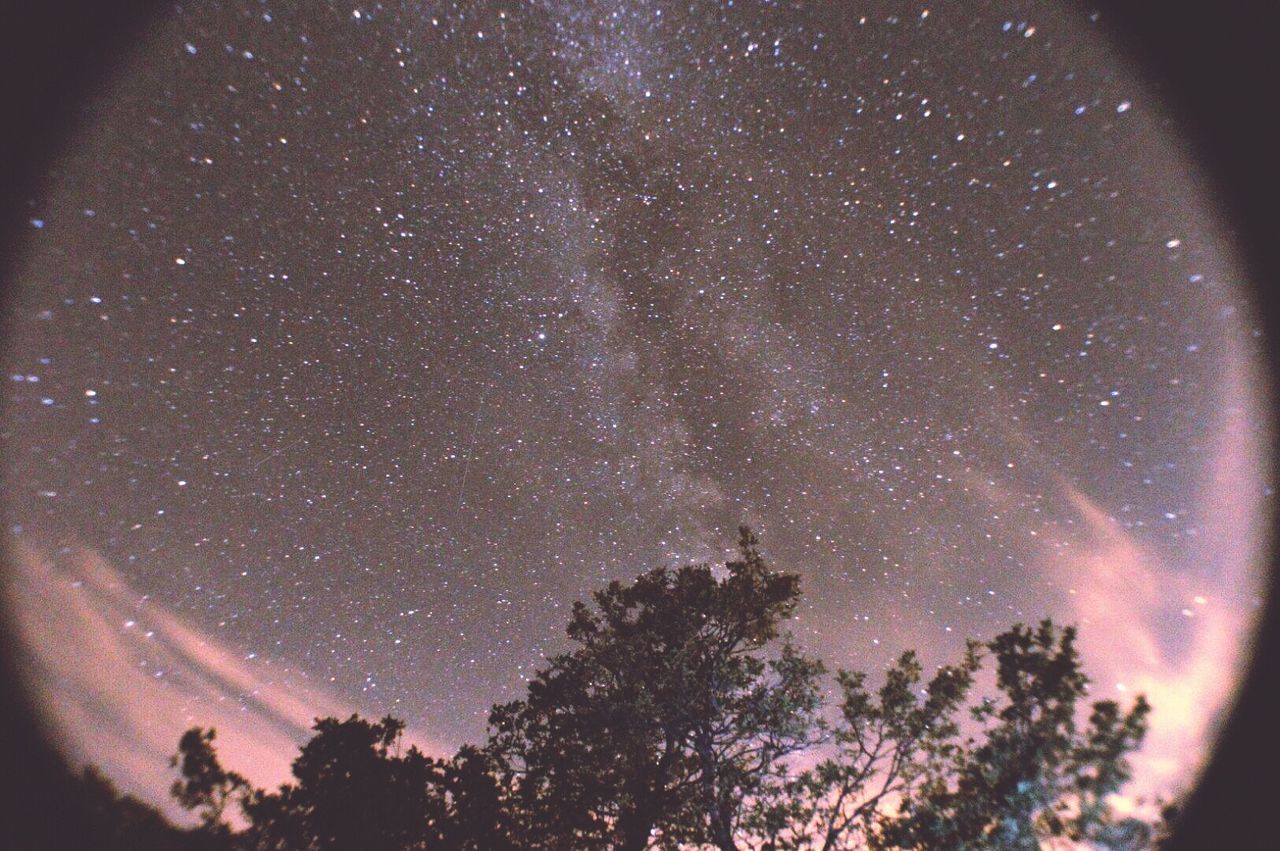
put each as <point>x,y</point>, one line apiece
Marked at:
<point>682,715</point>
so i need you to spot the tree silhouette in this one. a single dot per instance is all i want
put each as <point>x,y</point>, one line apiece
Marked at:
<point>884,746</point>
<point>351,791</point>
<point>478,808</point>
<point>204,785</point>
<point>116,822</point>
<point>1031,776</point>
<point>666,717</point>
<point>675,720</point>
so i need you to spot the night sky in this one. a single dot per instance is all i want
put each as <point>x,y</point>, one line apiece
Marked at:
<point>354,343</point>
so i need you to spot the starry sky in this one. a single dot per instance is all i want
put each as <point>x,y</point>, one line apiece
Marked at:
<point>352,344</point>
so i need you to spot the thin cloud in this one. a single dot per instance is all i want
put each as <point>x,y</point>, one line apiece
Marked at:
<point>119,677</point>
<point>1123,598</point>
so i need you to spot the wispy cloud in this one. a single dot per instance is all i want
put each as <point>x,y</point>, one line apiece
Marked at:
<point>1130,599</point>
<point>119,677</point>
<point>1122,599</point>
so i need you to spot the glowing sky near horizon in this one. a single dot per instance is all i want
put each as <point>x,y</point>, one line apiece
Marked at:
<point>362,340</point>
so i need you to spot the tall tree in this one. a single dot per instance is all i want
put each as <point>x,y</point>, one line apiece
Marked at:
<point>666,716</point>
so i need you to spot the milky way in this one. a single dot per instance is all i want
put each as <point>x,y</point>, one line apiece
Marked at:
<point>361,341</point>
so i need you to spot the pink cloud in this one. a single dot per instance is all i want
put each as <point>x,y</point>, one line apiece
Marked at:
<point>118,678</point>
<point>1123,594</point>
